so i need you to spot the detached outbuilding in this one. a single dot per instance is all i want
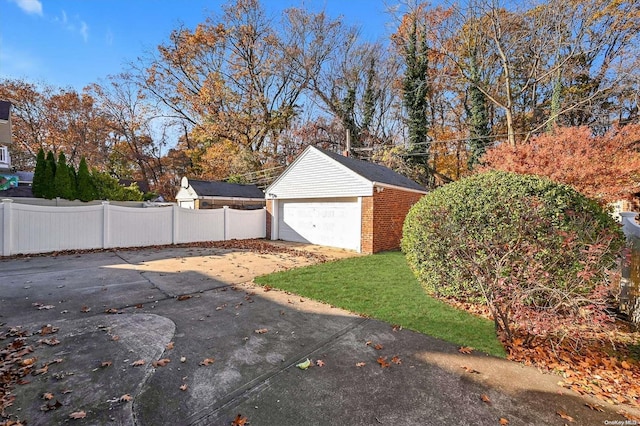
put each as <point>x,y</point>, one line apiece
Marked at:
<point>328,199</point>
<point>202,194</point>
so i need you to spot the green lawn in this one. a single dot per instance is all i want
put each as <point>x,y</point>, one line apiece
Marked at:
<point>382,286</point>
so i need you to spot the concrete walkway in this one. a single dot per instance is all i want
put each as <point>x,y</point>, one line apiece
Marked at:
<point>233,349</point>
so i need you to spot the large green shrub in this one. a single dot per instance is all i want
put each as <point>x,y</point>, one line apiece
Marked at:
<point>538,253</point>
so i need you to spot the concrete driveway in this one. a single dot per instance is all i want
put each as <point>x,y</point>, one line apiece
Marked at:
<point>97,322</point>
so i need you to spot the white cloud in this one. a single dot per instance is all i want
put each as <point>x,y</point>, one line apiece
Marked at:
<point>84,30</point>
<point>30,6</point>
<point>73,24</point>
<point>109,37</point>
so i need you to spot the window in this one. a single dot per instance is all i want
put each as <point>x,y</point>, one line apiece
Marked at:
<point>4,154</point>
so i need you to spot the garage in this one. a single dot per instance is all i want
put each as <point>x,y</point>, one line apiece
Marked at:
<point>329,222</point>
<point>329,199</point>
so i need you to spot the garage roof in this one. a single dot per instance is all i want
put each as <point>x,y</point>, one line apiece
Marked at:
<point>224,189</point>
<point>374,172</point>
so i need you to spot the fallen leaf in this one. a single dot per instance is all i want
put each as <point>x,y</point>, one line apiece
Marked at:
<point>267,288</point>
<point>396,360</point>
<point>397,328</point>
<point>169,346</point>
<point>184,297</point>
<point>260,331</point>
<point>378,347</point>
<point>239,421</point>
<point>564,415</point>
<point>504,421</point>
<point>360,364</point>
<point>115,337</point>
<point>470,370</point>
<point>106,364</point>
<point>383,362</point>
<point>47,395</point>
<point>85,309</point>
<point>78,415</point>
<point>594,407</point>
<point>28,361</point>
<point>183,387</point>
<point>111,311</point>
<point>304,365</point>
<point>139,306</point>
<point>161,362</point>
<point>465,350</point>
<point>207,361</point>
<point>485,398</point>
<point>320,363</point>
<point>138,363</point>
<point>368,342</point>
<point>48,329</point>
<point>43,370</point>
<point>50,342</point>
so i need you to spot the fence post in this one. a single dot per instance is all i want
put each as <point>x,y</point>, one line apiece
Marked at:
<point>174,224</point>
<point>225,221</point>
<point>6,227</point>
<point>105,225</point>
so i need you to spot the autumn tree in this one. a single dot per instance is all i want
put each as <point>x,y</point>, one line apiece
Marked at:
<point>604,167</point>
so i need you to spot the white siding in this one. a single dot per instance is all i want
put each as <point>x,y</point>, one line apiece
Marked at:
<point>314,175</point>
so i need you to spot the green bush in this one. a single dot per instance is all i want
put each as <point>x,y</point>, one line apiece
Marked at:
<point>538,253</point>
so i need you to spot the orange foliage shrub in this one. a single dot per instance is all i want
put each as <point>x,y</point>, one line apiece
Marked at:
<point>605,168</point>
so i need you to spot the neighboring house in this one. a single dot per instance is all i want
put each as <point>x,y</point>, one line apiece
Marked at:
<point>201,194</point>
<point>8,179</point>
<point>327,199</point>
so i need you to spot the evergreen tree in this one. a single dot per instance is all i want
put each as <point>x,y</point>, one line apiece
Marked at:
<point>477,115</point>
<point>37,186</point>
<point>73,182</point>
<point>48,189</point>
<point>369,97</point>
<point>415,88</point>
<point>85,189</point>
<point>62,181</point>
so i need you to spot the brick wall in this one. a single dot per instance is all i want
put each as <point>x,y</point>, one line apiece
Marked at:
<point>269,218</point>
<point>383,217</point>
<point>366,236</point>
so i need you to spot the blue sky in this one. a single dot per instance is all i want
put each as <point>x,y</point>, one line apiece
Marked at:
<point>77,42</point>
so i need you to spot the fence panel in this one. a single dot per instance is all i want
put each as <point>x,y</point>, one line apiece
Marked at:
<point>199,225</point>
<point>37,229</point>
<point>243,224</point>
<point>26,229</point>
<point>131,227</point>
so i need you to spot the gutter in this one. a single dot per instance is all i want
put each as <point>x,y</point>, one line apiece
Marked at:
<point>400,188</point>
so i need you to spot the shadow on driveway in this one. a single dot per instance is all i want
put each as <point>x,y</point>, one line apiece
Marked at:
<point>188,305</point>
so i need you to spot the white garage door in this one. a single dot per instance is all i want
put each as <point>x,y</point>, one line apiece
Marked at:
<point>334,222</point>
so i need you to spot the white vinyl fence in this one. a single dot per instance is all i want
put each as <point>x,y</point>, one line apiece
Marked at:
<point>28,229</point>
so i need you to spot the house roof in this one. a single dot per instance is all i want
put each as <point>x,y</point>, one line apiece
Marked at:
<point>5,107</point>
<point>224,189</point>
<point>373,172</point>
